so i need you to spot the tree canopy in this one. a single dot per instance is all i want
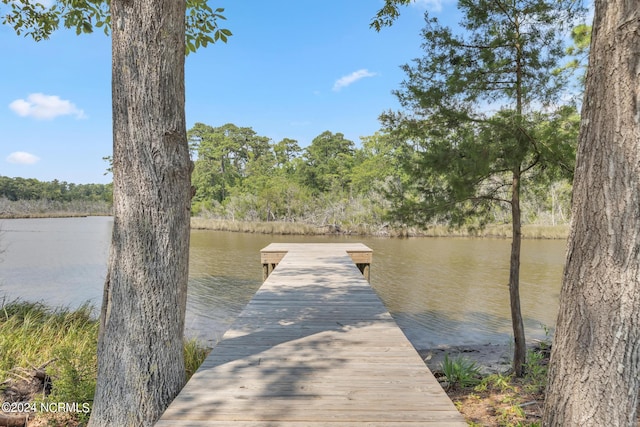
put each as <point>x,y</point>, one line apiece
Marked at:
<point>482,114</point>
<point>34,19</point>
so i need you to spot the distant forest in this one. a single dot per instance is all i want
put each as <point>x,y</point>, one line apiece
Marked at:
<point>242,176</point>
<point>28,197</point>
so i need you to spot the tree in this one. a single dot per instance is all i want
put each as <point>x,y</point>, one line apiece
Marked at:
<point>285,151</point>
<point>377,163</point>
<point>140,349</point>
<point>388,14</point>
<point>581,36</point>
<point>476,106</point>
<point>226,155</point>
<point>328,161</point>
<point>142,316</point>
<point>594,373</point>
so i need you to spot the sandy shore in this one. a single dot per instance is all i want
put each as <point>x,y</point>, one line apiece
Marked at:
<point>490,358</point>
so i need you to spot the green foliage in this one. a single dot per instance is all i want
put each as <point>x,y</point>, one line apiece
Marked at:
<point>194,355</point>
<point>581,36</point>
<point>535,371</point>
<point>73,376</point>
<point>34,19</point>
<point>242,176</point>
<point>328,162</point>
<point>61,340</point>
<point>15,189</point>
<point>377,164</point>
<point>64,342</point>
<point>39,21</point>
<point>479,107</point>
<point>226,155</point>
<point>388,14</point>
<point>497,382</point>
<point>461,372</point>
<point>578,52</point>
<point>202,25</point>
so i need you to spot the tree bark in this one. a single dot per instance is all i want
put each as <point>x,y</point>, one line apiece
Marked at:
<point>594,373</point>
<point>520,346</point>
<point>140,345</point>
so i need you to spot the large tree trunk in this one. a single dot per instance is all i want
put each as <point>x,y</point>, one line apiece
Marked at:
<point>594,374</point>
<point>520,346</point>
<point>140,359</point>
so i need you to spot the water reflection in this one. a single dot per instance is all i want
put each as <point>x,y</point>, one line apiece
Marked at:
<point>441,291</point>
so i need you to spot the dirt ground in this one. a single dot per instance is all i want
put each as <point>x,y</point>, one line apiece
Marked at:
<point>514,402</point>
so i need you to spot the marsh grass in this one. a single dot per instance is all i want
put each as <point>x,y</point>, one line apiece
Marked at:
<point>306,229</point>
<point>32,334</point>
<point>42,208</point>
<point>194,355</point>
<point>284,228</point>
<point>62,342</point>
<point>502,231</point>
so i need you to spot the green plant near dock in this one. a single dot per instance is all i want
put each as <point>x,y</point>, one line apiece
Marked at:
<point>194,355</point>
<point>501,399</point>
<point>460,372</point>
<point>32,334</point>
<point>49,355</point>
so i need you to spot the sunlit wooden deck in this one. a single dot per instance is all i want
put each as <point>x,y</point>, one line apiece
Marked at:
<point>314,347</point>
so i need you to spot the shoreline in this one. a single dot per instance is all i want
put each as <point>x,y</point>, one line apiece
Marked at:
<point>489,358</point>
<point>495,231</point>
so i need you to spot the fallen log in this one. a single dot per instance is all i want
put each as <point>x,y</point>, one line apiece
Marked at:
<point>13,420</point>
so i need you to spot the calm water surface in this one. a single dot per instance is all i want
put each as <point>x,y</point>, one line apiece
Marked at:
<point>440,290</point>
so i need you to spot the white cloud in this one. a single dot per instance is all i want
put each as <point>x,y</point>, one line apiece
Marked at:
<point>347,80</point>
<point>430,5</point>
<point>22,158</point>
<point>41,106</point>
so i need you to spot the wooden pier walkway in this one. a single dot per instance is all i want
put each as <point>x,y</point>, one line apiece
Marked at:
<point>314,347</point>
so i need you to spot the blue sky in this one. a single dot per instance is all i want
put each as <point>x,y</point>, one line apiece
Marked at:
<point>291,69</point>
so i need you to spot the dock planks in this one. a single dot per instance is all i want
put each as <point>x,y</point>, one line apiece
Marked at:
<point>314,347</point>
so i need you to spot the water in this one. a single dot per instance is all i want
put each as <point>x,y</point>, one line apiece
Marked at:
<point>440,290</point>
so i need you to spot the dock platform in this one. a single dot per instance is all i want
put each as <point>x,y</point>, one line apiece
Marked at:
<point>314,347</point>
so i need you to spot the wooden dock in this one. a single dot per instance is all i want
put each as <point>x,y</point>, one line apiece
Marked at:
<point>314,347</point>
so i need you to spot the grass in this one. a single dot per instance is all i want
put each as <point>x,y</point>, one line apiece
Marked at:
<point>504,400</point>
<point>305,229</point>
<point>503,231</point>
<point>32,334</point>
<point>284,228</point>
<point>42,208</point>
<point>194,355</point>
<point>60,343</point>
<point>460,372</point>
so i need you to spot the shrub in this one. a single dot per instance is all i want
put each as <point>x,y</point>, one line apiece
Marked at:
<point>460,372</point>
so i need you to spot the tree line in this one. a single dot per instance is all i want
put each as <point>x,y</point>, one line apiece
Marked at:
<point>28,197</point>
<point>15,189</point>
<point>241,175</point>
